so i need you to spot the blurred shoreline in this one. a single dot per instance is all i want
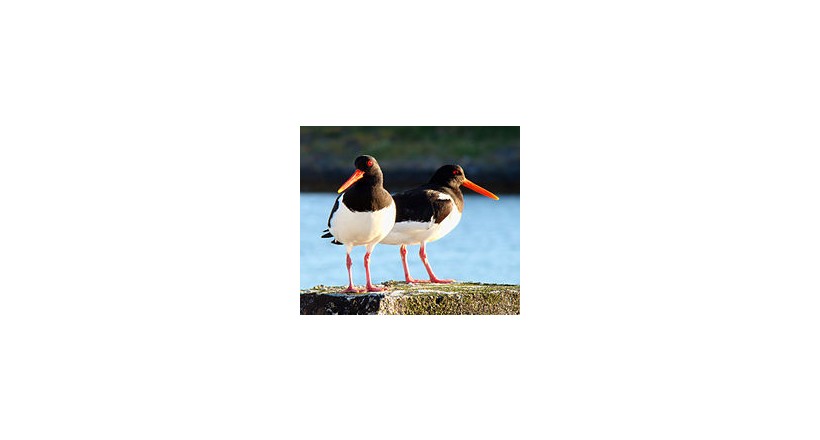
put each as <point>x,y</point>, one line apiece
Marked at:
<point>409,156</point>
<point>318,179</point>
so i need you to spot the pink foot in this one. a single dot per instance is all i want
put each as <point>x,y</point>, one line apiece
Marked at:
<point>436,280</point>
<point>407,278</point>
<point>413,281</point>
<point>433,279</point>
<point>370,286</point>
<point>350,287</point>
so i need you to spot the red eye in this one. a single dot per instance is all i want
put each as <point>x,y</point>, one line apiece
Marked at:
<point>455,172</point>
<point>370,163</point>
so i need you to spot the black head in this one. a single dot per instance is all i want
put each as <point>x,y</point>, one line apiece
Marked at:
<point>453,176</point>
<point>449,175</point>
<point>367,172</point>
<point>367,164</point>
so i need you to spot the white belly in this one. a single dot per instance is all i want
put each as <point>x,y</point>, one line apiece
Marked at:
<point>417,232</point>
<point>362,228</point>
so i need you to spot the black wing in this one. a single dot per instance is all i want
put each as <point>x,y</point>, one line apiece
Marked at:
<point>327,233</point>
<point>421,205</point>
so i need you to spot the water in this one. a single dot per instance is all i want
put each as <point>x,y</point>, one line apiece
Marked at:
<point>484,247</point>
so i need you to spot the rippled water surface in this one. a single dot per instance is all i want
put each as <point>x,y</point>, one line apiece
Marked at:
<point>484,247</point>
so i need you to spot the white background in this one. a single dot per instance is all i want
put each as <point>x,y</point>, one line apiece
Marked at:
<point>149,193</point>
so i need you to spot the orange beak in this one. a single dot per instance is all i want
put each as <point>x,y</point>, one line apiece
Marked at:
<point>479,189</point>
<point>358,174</point>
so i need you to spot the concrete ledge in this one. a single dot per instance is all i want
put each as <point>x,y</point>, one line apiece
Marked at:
<point>414,299</point>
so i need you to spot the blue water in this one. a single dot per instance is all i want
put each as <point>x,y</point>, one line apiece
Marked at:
<point>484,247</point>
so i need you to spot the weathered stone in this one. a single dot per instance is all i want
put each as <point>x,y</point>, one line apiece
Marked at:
<point>415,299</point>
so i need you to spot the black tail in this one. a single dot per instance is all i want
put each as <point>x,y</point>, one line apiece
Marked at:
<point>327,234</point>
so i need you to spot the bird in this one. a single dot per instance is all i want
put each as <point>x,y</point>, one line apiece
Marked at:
<point>428,212</point>
<point>364,213</point>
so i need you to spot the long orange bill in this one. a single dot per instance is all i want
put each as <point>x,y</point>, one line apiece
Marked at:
<point>358,174</point>
<point>479,189</point>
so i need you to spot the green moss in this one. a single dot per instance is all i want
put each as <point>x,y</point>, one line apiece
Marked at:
<point>428,299</point>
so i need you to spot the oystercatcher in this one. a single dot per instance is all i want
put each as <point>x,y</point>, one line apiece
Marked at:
<point>429,212</point>
<point>363,215</point>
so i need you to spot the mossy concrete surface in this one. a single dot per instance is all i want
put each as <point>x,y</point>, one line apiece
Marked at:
<point>401,298</point>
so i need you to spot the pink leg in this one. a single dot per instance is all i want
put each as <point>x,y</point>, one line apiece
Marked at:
<point>370,286</point>
<point>407,277</point>
<point>350,287</point>
<point>433,279</point>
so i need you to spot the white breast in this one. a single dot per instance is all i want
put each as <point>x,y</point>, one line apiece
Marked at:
<point>361,228</point>
<point>415,232</point>
<point>450,222</point>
